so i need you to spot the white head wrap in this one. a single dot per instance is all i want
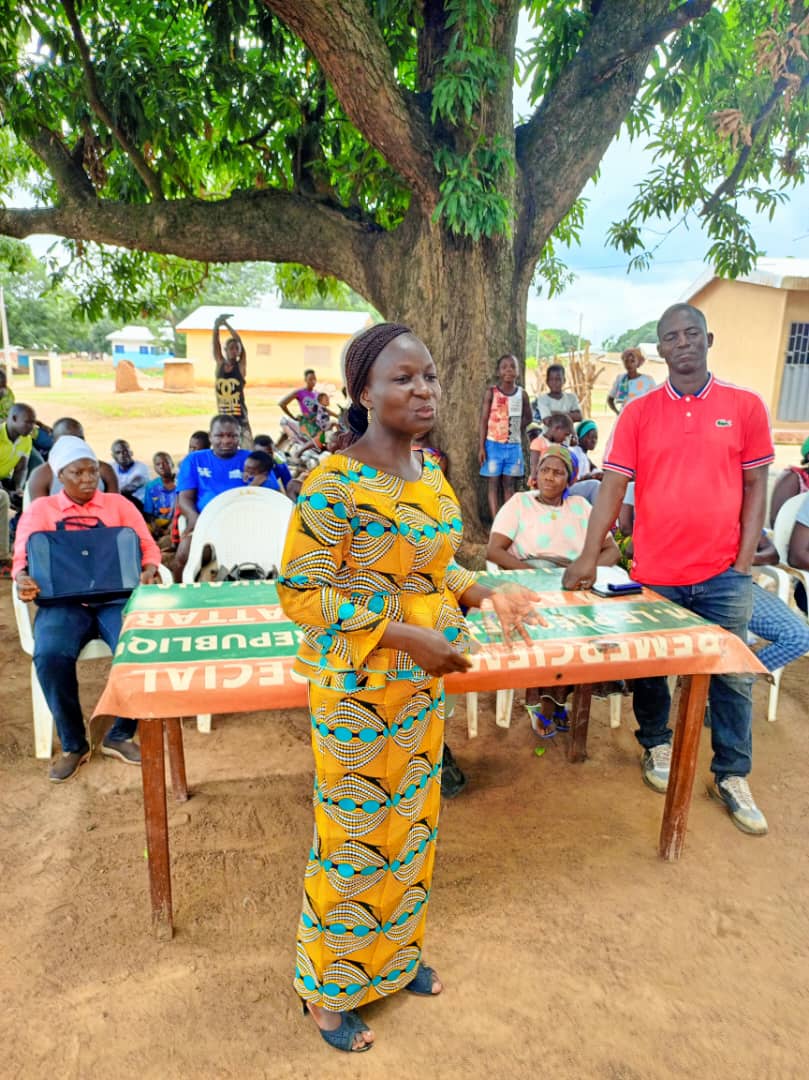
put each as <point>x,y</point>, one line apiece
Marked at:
<point>66,450</point>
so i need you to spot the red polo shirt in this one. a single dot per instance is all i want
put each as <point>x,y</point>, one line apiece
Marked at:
<point>687,453</point>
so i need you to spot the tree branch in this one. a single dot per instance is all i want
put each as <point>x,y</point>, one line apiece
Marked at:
<point>149,178</point>
<point>646,37</point>
<point>731,181</point>
<point>347,43</point>
<point>71,180</point>
<point>562,144</point>
<point>270,225</point>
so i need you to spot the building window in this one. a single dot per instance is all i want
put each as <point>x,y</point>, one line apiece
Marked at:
<point>798,347</point>
<point>793,401</point>
<point>117,348</point>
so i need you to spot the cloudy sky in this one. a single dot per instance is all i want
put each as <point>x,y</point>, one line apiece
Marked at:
<point>607,298</point>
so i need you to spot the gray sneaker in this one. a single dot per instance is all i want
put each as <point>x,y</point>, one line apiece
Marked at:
<point>124,749</point>
<point>734,792</point>
<point>67,765</point>
<point>655,767</point>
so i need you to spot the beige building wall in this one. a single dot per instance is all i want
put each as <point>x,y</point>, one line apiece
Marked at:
<point>747,322</point>
<point>273,359</point>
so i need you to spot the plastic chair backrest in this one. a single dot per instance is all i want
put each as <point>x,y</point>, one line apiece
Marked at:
<point>243,525</point>
<point>784,524</point>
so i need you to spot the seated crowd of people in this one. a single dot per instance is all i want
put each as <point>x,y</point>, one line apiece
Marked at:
<point>66,483</point>
<point>543,525</point>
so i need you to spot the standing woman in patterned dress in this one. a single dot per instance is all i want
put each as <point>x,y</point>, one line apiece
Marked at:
<point>369,575</point>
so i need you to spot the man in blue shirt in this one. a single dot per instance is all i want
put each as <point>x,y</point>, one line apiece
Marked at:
<point>161,495</point>
<point>206,474</point>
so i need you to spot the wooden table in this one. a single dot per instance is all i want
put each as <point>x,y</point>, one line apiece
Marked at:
<point>228,647</point>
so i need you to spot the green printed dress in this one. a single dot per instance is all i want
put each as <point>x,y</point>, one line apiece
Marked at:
<point>365,547</point>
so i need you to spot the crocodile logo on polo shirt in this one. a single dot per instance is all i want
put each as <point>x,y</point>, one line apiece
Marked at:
<point>724,423</point>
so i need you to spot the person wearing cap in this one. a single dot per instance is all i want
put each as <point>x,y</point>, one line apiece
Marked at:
<point>586,442</point>
<point>794,480</point>
<point>631,385</point>
<point>546,527</point>
<point>62,630</point>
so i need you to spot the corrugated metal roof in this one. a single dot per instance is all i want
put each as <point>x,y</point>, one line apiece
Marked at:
<point>132,333</point>
<point>771,273</point>
<point>278,320</point>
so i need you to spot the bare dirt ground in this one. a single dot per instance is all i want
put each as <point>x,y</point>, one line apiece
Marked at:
<point>567,947</point>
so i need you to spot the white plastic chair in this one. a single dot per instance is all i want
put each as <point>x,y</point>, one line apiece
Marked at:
<point>243,525</point>
<point>246,524</point>
<point>782,533</point>
<point>782,575</point>
<point>783,589</point>
<point>93,650</point>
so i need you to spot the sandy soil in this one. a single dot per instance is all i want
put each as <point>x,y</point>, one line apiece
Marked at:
<point>568,949</point>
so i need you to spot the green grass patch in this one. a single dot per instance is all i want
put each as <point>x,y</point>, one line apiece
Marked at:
<point>146,409</point>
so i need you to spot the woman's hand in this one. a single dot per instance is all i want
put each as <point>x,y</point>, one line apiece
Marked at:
<point>433,653</point>
<point>429,649</point>
<point>516,607</point>
<point>27,588</point>
<point>149,575</point>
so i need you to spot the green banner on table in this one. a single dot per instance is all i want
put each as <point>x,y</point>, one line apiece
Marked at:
<point>222,647</point>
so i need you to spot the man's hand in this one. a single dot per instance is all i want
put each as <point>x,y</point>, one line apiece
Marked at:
<point>743,568</point>
<point>27,588</point>
<point>580,574</point>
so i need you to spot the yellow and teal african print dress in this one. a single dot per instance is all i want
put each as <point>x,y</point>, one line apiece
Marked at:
<point>364,548</point>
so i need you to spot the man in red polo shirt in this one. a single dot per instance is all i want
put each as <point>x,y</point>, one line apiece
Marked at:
<point>698,450</point>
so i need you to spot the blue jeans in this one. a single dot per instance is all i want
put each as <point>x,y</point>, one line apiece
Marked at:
<point>726,600</point>
<point>60,634</point>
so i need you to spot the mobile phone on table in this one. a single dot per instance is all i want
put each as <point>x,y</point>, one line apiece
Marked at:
<point>628,588</point>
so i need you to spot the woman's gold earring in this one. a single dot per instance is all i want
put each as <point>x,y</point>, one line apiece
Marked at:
<point>370,416</point>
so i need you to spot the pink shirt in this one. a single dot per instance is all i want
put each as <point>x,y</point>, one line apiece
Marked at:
<point>535,528</point>
<point>687,454</point>
<point>43,514</point>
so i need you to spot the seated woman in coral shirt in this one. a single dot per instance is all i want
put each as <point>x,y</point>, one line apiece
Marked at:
<point>545,527</point>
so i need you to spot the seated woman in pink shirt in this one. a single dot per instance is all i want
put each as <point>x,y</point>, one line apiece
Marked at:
<point>62,629</point>
<point>545,527</point>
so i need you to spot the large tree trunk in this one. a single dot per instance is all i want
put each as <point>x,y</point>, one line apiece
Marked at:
<point>467,303</point>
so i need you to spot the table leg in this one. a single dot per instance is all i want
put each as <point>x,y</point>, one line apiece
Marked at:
<point>579,722</point>
<point>174,737</point>
<point>693,695</point>
<point>157,831</point>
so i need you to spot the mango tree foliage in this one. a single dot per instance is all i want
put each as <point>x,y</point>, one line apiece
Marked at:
<point>374,141</point>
